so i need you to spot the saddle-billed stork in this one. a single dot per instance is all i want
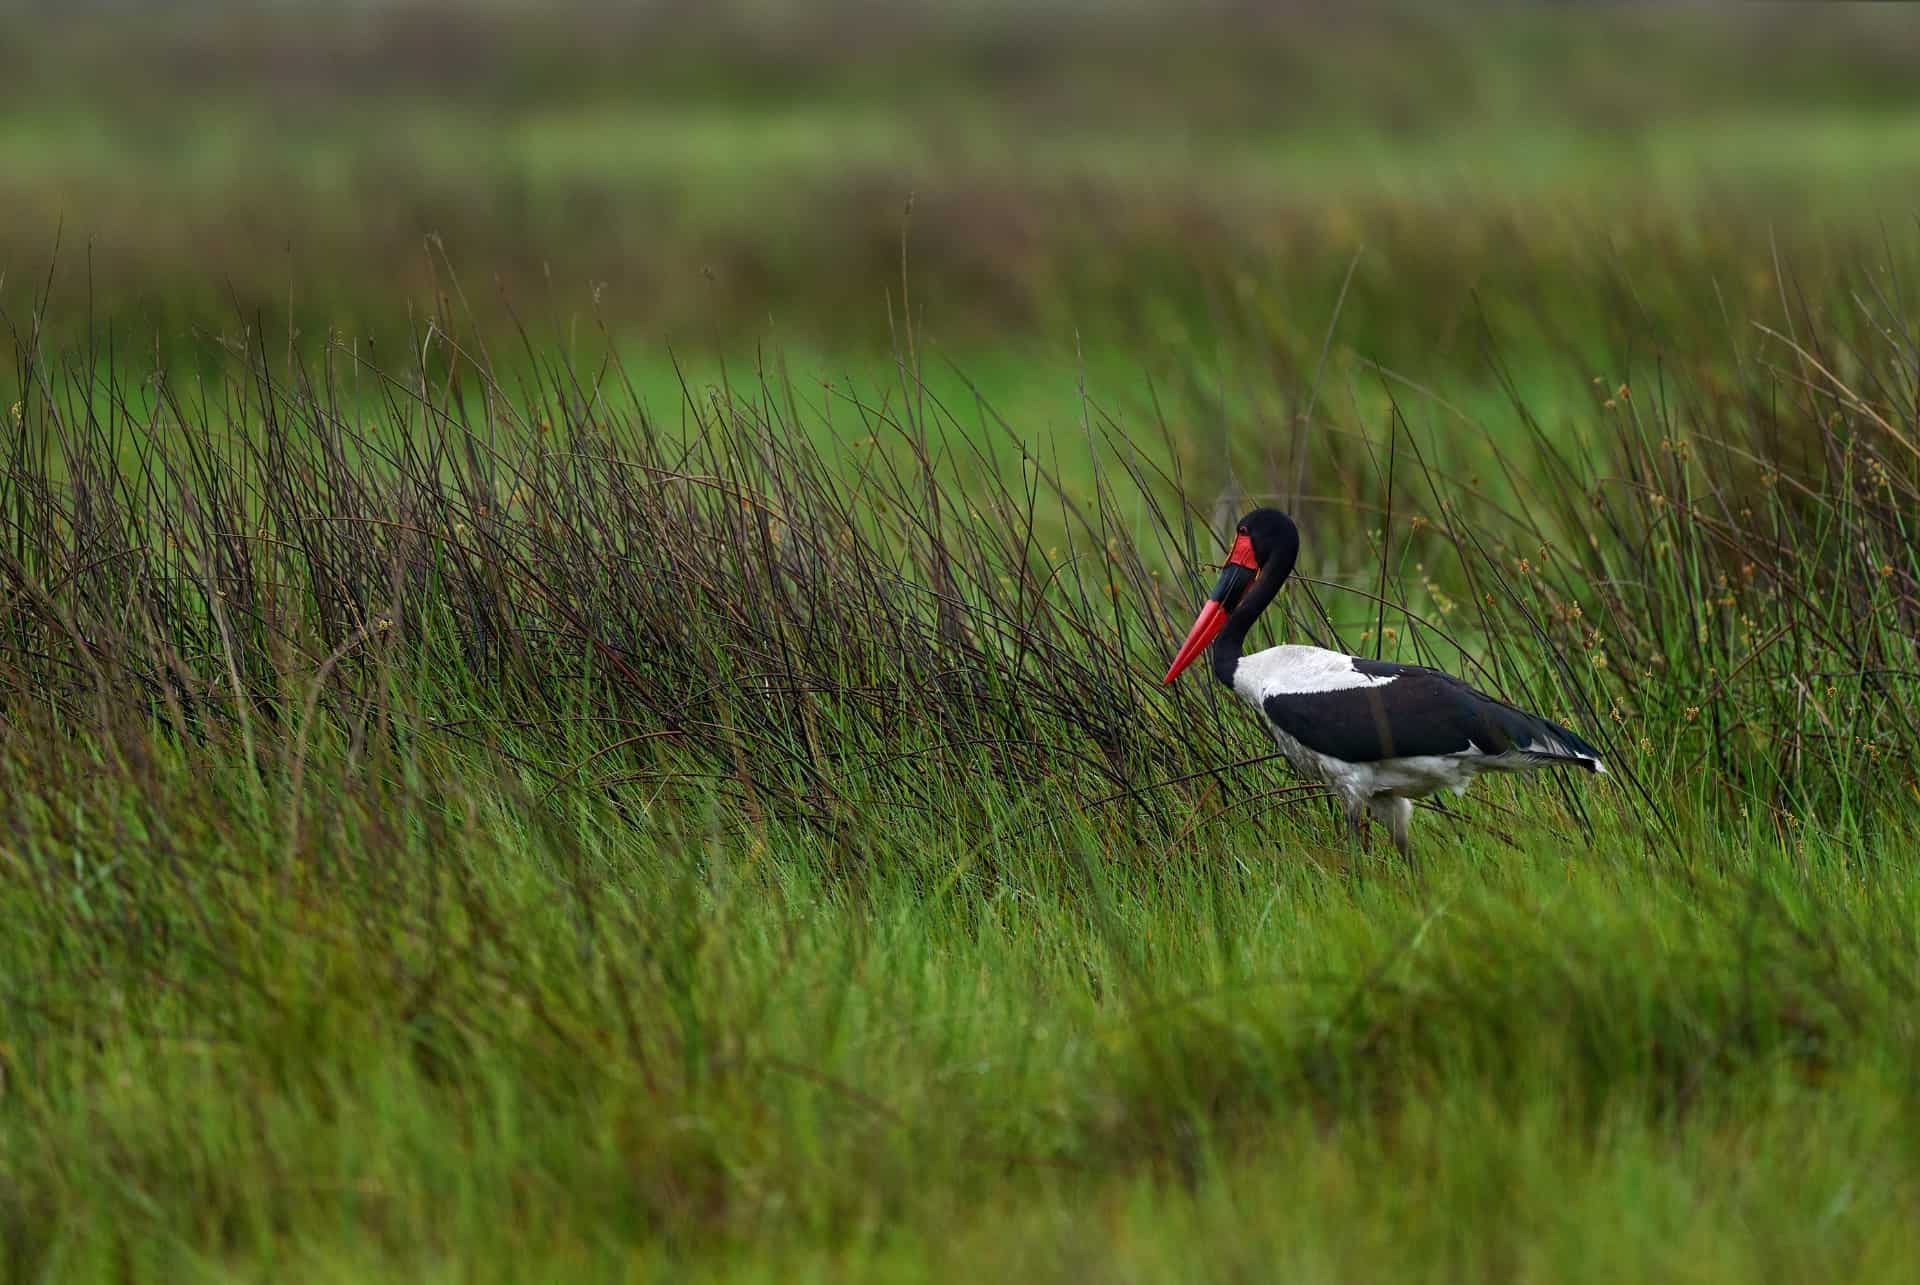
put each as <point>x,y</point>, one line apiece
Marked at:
<point>1380,734</point>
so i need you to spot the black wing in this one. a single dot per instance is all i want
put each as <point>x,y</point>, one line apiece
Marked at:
<point>1421,711</point>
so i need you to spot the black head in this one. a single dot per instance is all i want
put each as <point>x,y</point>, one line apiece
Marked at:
<point>1275,540</point>
<point>1265,544</point>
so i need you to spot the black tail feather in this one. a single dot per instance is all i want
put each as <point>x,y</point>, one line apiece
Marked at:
<point>1557,743</point>
<point>1542,739</point>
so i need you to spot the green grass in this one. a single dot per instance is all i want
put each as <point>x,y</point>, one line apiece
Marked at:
<point>652,765</point>
<point>464,1048</point>
<point>441,845</point>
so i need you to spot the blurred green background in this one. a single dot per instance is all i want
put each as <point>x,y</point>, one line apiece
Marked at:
<point>1071,178</point>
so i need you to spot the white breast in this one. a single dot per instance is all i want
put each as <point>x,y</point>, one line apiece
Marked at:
<point>1298,670</point>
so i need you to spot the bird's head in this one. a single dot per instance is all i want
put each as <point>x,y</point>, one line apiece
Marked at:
<point>1265,544</point>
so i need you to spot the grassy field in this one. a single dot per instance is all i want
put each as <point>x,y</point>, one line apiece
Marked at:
<point>624,741</point>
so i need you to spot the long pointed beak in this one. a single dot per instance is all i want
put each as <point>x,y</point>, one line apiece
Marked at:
<point>1235,576</point>
<point>1207,627</point>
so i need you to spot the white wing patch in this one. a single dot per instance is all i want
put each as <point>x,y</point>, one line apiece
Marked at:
<point>1296,671</point>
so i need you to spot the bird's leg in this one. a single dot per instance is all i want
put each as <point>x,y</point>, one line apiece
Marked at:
<point>1394,813</point>
<point>1400,824</point>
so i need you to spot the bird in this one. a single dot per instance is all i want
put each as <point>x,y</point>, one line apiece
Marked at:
<point>1378,733</point>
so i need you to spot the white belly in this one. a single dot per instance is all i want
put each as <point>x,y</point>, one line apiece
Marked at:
<point>1406,778</point>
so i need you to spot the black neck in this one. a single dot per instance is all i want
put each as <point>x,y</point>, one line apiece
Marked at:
<point>1226,648</point>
